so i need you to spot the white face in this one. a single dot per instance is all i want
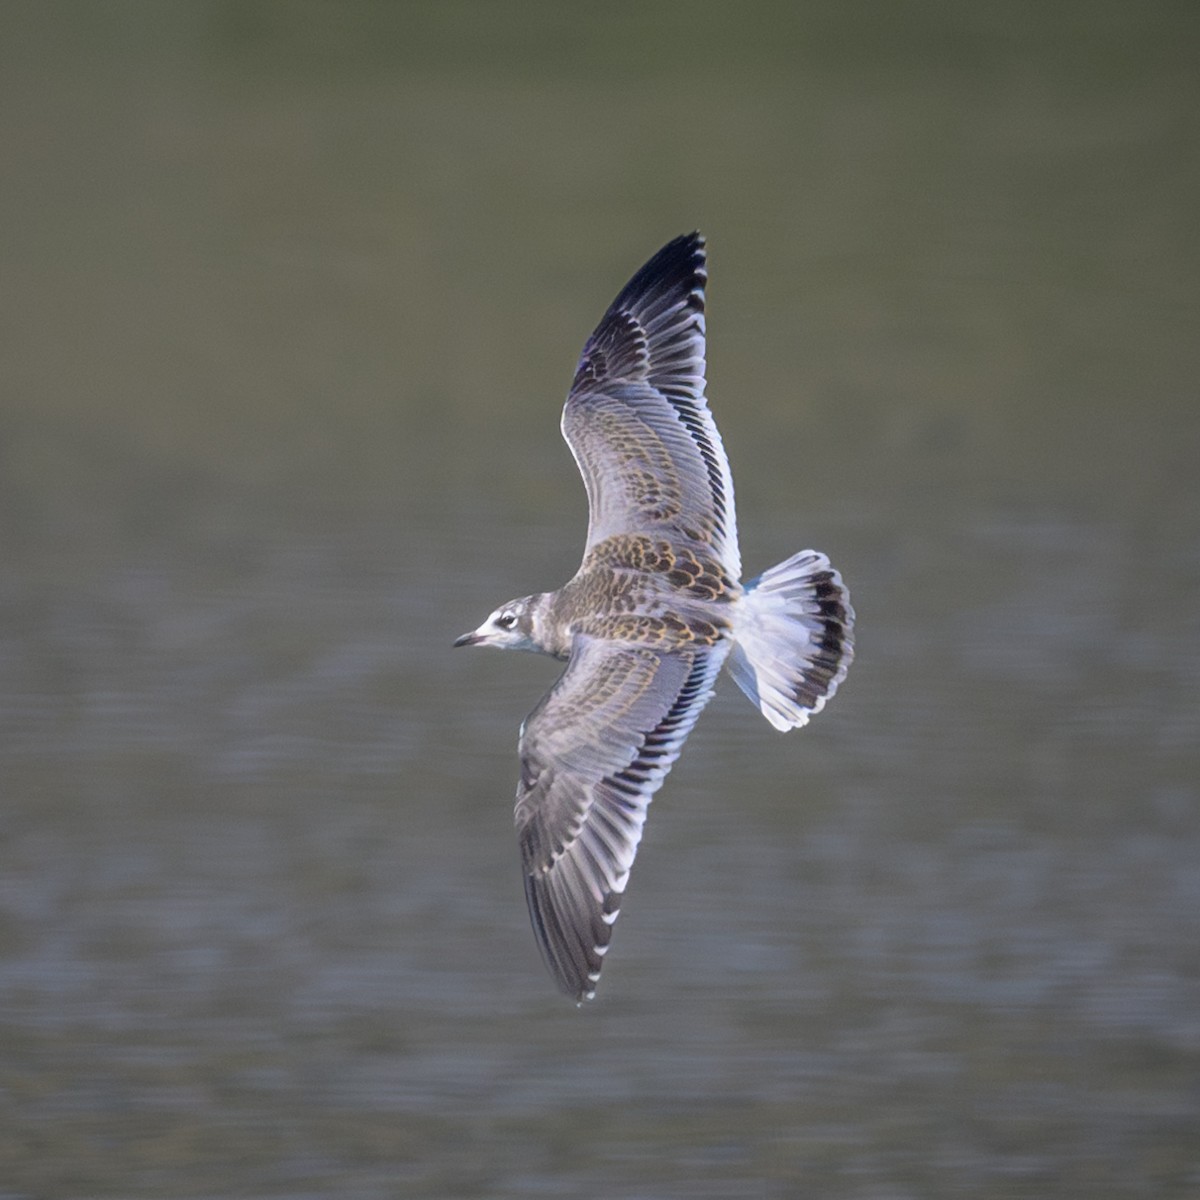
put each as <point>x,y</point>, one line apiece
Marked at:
<point>508,628</point>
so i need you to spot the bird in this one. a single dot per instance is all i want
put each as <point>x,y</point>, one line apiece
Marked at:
<point>655,610</point>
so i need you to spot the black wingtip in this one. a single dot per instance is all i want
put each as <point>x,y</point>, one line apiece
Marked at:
<point>654,329</point>
<point>682,261</point>
<point>574,970</point>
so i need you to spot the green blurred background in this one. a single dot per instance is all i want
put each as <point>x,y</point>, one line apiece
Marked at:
<point>290,296</point>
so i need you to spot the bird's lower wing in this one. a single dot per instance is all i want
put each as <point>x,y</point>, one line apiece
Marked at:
<point>593,753</point>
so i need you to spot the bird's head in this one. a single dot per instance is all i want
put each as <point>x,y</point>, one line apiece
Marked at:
<point>510,627</point>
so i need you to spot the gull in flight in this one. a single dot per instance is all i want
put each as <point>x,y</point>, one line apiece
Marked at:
<point>656,608</point>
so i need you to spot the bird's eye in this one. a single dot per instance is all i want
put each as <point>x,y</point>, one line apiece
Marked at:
<point>506,620</point>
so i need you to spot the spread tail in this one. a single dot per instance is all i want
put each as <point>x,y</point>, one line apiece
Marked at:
<point>794,638</point>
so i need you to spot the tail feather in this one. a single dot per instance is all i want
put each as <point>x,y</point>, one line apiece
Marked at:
<point>794,639</point>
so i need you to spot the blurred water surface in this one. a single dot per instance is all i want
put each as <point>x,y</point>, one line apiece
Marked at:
<point>291,295</point>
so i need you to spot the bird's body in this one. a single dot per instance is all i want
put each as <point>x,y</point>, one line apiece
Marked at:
<point>634,588</point>
<point>654,611</point>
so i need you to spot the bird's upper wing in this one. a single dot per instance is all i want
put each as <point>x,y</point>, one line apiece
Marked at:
<point>637,420</point>
<point>593,753</point>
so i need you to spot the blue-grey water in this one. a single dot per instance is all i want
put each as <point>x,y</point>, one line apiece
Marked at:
<point>290,296</point>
